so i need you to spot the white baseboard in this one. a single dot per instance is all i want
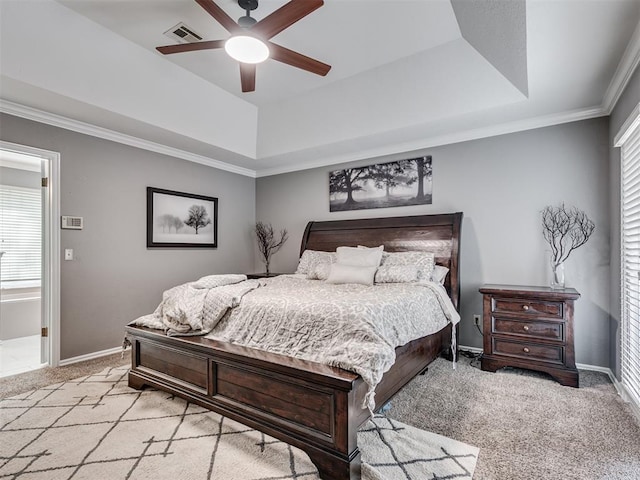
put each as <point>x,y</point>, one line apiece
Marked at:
<point>469,349</point>
<point>90,356</point>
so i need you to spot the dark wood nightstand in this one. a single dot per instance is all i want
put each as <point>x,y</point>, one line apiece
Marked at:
<point>529,327</point>
<point>262,275</point>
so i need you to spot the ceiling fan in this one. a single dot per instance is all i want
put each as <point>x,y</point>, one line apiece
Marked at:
<point>249,31</point>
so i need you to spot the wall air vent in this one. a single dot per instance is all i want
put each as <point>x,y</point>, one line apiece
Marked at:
<point>72,223</point>
<point>183,34</point>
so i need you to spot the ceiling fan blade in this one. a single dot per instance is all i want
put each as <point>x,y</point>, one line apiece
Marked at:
<point>191,47</point>
<point>295,59</point>
<point>248,77</point>
<point>220,15</point>
<point>284,17</point>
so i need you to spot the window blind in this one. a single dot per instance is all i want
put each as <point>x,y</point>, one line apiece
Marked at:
<point>630,265</point>
<point>20,233</point>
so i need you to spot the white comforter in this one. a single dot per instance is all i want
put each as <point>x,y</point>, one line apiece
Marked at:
<point>354,327</point>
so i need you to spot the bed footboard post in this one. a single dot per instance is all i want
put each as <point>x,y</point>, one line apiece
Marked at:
<point>135,381</point>
<point>331,467</point>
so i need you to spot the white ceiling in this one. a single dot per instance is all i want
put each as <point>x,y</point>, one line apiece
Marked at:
<point>406,75</point>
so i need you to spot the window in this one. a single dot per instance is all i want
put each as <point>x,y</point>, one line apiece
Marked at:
<point>629,141</point>
<point>20,233</point>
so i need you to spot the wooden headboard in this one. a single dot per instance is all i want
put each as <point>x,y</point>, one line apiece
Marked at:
<point>439,234</point>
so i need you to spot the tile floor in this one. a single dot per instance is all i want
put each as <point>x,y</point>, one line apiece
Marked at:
<point>19,355</point>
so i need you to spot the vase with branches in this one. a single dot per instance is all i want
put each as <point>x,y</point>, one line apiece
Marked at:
<point>268,243</point>
<point>564,229</point>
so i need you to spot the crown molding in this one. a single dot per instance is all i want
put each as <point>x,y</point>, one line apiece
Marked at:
<point>55,120</point>
<point>440,140</point>
<point>628,63</point>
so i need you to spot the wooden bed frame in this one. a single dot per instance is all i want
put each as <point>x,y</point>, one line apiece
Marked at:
<point>314,407</point>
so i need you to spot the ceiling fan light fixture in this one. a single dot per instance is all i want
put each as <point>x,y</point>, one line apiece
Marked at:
<point>246,49</point>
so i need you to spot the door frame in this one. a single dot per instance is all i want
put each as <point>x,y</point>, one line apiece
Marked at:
<point>50,281</point>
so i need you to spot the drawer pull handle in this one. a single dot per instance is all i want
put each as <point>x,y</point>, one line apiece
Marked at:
<point>526,328</point>
<point>525,307</point>
<point>526,350</point>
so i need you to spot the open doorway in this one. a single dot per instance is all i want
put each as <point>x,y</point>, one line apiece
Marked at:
<point>29,266</point>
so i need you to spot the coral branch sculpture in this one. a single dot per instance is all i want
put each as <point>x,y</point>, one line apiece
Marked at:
<point>268,244</point>
<point>565,230</point>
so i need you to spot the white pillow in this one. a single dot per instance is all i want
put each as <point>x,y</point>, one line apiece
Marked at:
<point>397,274</point>
<point>439,274</point>
<point>359,257</point>
<point>351,274</point>
<point>310,258</point>
<point>424,261</point>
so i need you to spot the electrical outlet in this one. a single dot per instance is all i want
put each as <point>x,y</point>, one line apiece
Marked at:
<point>477,319</point>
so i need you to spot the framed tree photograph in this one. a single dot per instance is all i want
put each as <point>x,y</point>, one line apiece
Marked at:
<point>390,184</point>
<point>183,220</point>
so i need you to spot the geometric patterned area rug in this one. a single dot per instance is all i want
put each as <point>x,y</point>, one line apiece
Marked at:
<point>96,427</point>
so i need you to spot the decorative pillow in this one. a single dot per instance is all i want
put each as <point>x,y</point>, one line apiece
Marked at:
<point>397,274</point>
<point>319,271</point>
<point>439,274</point>
<point>351,274</point>
<point>310,258</point>
<point>424,261</point>
<point>359,257</point>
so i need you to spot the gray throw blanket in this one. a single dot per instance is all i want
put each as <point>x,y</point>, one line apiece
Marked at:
<point>195,308</point>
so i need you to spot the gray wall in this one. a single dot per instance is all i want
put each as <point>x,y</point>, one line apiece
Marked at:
<point>501,184</point>
<point>626,103</point>
<point>114,277</point>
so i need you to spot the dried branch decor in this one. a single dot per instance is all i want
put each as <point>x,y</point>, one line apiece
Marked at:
<point>565,230</point>
<point>267,242</point>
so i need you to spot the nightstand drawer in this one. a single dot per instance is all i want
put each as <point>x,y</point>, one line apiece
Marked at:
<point>528,307</point>
<point>529,328</point>
<point>544,353</point>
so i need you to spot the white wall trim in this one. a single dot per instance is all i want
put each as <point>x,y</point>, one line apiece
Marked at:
<point>628,127</point>
<point>628,63</point>
<point>447,139</point>
<point>469,349</point>
<point>91,356</point>
<point>41,116</point>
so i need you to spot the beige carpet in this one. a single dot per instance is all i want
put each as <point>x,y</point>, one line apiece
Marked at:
<point>526,425</point>
<point>96,427</point>
<point>24,382</point>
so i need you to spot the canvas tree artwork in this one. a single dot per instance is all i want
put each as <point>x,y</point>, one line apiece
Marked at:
<point>180,219</point>
<point>390,184</point>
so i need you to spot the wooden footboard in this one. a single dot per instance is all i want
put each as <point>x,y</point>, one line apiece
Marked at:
<point>314,407</point>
